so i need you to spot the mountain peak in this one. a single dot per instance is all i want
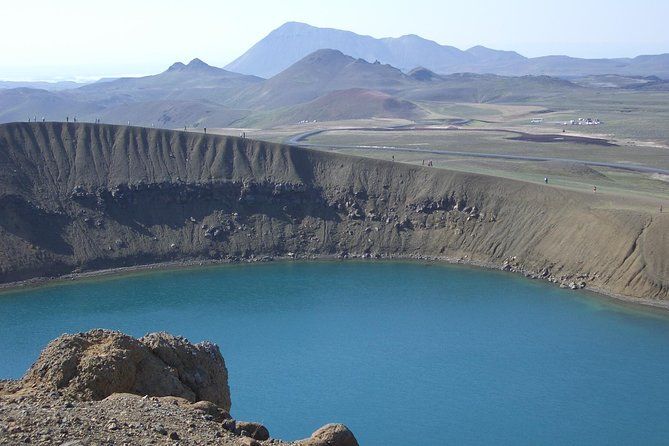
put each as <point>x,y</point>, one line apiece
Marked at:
<point>177,66</point>
<point>482,52</point>
<point>422,74</point>
<point>325,58</point>
<point>410,37</point>
<point>327,52</point>
<point>195,64</point>
<point>290,26</point>
<point>198,63</point>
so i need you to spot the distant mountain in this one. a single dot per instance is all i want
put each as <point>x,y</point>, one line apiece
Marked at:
<point>319,73</point>
<point>50,86</point>
<point>185,94</point>
<point>324,85</point>
<point>325,71</point>
<point>329,85</point>
<point>193,81</point>
<point>293,41</point>
<point>482,53</point>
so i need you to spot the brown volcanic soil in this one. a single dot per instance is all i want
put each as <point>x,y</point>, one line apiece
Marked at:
<point>77,197</point>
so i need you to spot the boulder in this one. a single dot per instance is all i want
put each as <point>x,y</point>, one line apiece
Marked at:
<point>253,430</point>
<point>99,363</point>
<point>208,408</point>
<point>229,425</point>
<point>331,435</point>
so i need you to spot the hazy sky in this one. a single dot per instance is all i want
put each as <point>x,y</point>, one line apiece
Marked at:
<point>68,39</point>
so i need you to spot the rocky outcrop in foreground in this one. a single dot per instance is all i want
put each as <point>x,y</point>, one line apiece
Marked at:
<point>104,387</point>
<point>97,364</point>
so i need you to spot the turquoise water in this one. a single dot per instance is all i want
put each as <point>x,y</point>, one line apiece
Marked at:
<point>403,353</point>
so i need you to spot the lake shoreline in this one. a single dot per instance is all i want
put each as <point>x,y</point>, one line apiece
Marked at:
<point>37,282</point>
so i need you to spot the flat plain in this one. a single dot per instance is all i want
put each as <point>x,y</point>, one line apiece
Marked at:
<point>625,156</point>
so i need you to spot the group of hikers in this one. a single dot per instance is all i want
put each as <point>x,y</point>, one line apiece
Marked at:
<point>186,129</point>
<point>99,121</point>
<point>429,162</point>
<point>67,119</point>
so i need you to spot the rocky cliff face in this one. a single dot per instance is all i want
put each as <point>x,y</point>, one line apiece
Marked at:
<point>104,387</point>
<point>77,197</point>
